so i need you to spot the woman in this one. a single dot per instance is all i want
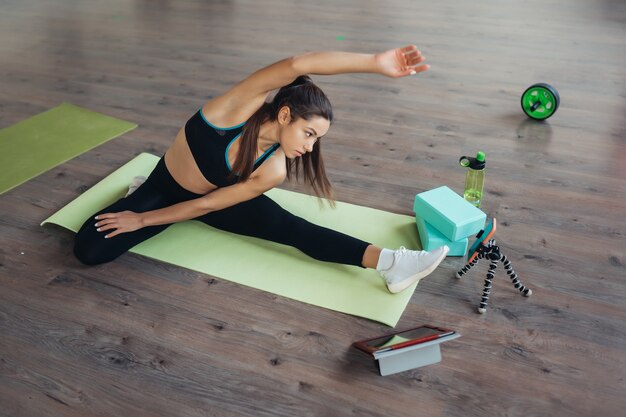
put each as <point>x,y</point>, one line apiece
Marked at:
<point>238,146</point>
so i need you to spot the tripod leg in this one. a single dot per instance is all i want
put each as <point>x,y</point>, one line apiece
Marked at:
<point>467,268</point>
<point>488,282</point>
<point>527,292</point>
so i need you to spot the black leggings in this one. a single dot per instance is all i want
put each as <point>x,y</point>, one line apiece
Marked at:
<point>260,217</point>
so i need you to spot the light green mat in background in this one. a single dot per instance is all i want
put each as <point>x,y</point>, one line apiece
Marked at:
<point>33,146</point>
<point>268,266</point>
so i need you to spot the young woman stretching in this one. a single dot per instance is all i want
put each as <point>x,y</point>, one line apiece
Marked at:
<point>238,146</point>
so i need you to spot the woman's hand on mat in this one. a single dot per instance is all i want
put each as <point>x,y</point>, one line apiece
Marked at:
<point>400,62</point>
<point>122,222</point>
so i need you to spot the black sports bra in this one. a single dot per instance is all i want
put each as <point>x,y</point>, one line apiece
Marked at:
<point>209,146</point>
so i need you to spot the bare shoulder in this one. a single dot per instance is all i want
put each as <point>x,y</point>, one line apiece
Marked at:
<point>243,99</point>
<point>225,111</point>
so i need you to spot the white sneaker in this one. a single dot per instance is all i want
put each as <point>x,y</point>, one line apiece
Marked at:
<point>409,266</point>
<point>137,181</point>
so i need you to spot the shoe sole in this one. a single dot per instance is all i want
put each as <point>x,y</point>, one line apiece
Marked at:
<point>401,286</point>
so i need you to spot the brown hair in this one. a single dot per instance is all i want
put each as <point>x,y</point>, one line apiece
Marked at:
<point>305,100</point>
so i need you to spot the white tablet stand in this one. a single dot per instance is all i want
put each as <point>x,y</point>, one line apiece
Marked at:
<point>410,357</point>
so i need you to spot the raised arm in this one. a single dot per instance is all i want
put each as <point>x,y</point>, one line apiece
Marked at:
<point>397,62</point>
<point>248,95</point>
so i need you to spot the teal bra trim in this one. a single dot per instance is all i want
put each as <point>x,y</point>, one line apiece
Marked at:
<point>267,153</point>
<point>220,128</point>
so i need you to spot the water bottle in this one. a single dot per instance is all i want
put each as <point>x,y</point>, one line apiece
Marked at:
<point>475,178</point>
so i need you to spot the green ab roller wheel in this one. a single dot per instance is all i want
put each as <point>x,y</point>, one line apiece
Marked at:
<point>540,101</point>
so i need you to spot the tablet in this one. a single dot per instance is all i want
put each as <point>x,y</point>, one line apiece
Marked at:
<point>402,339</point>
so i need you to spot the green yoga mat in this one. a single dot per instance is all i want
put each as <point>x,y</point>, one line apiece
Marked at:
<point>265,265</point>
<point>33,146</point>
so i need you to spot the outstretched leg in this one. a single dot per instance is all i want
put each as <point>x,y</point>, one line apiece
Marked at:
<point>263,218</point>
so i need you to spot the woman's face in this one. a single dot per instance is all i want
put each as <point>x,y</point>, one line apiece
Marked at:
<point>298,137</point>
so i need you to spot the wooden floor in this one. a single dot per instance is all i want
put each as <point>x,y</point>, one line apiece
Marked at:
<point>141,338</point>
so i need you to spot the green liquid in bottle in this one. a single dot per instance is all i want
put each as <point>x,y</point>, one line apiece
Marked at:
<point>473,196</point>
<point>474,179</point>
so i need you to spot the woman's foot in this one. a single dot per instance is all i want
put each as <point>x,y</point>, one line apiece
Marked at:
<point>410,266</point>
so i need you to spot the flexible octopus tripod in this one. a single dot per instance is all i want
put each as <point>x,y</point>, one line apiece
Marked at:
<point>490,251</point>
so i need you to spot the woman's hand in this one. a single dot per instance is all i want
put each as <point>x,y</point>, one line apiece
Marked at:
<point>400,62</point>
<point>122,222</point>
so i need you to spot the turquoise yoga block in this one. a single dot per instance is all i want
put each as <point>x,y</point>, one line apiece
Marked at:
<point>449,213</point>
<point>431,239</point>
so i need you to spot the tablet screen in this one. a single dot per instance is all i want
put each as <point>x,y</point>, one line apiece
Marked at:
<point>415,334</point>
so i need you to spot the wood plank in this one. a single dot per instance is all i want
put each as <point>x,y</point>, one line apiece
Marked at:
<point>139,337</point>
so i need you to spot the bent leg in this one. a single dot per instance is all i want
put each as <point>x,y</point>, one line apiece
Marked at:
<point>90,246</point>
<point>263,218</point>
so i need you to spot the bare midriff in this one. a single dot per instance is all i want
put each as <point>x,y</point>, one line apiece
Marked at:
<point>183,168</point>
